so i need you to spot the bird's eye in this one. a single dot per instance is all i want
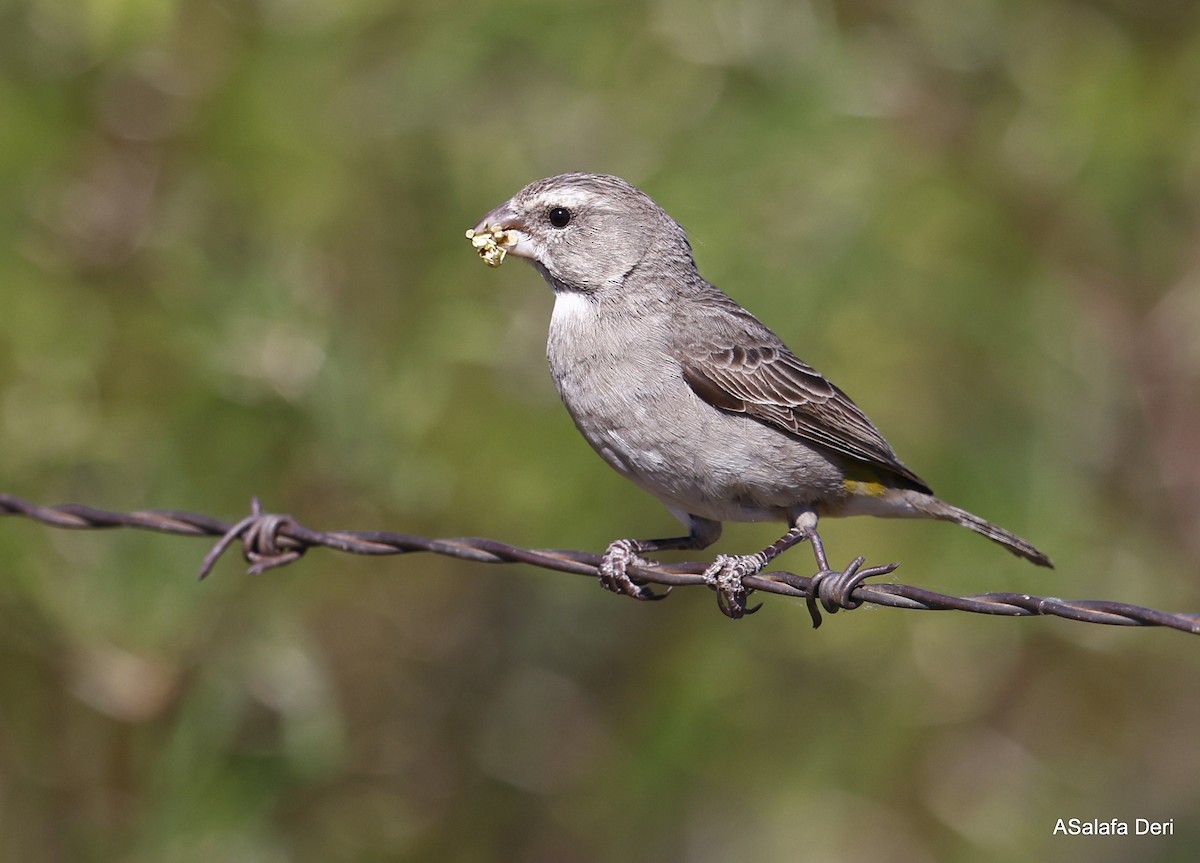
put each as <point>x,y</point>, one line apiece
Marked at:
<point>559,217</point>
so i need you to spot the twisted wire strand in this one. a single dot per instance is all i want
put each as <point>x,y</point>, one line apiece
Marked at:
<point>271,540</point>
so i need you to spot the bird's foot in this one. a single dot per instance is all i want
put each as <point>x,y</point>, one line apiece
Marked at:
<point>617,558</point>
<point>725,577</point>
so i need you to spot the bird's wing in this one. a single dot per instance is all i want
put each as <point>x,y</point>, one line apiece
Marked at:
<point>750,371</point>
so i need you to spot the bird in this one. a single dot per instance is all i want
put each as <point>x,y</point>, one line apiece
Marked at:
<point>689,395</point>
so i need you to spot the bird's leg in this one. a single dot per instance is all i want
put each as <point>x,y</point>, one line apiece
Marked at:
<point>727,571</point>
<point>702,532</point>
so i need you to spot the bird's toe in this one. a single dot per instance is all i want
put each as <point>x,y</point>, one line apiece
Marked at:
<point>613,575</point>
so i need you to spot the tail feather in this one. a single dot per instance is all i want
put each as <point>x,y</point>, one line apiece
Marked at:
<point>874,499</point>
<point>997,534</point>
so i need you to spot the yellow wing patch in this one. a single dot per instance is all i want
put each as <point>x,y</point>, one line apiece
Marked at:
<point>871,489</point>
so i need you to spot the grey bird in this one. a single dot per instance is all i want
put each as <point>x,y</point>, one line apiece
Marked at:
<point>689,395</point>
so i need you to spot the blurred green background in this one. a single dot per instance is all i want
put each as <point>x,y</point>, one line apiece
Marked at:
<point>232,263</point>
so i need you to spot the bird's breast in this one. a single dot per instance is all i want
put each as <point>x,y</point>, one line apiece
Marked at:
<point>615,378</point>
<point>627,395</point>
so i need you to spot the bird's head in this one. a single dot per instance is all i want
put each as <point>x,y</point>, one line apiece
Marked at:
<point>584,232</point>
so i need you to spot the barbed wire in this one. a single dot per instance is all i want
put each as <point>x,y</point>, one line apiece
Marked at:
<point>271,540</point>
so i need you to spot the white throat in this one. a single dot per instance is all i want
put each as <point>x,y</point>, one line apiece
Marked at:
<point>572,309</point>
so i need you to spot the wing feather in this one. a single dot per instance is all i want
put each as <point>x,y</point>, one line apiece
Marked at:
<point>754,373</point>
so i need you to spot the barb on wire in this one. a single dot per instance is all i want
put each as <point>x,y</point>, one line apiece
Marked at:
<point>270,540</point>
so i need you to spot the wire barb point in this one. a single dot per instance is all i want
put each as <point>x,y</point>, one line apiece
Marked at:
<point>263,545</point>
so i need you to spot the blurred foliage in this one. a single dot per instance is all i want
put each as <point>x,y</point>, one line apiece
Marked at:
<point>232,264</point>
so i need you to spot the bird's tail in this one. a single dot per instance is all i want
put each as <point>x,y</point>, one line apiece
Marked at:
<point>912,503</point>
<point>1018,546</point>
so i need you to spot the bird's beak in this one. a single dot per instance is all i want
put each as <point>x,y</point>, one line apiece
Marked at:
<point>506,220</point>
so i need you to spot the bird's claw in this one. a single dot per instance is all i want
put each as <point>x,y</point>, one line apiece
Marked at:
<point>725,577</point>
<point>617,558</point>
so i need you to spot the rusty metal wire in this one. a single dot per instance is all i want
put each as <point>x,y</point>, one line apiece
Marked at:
<point>270,540</point>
